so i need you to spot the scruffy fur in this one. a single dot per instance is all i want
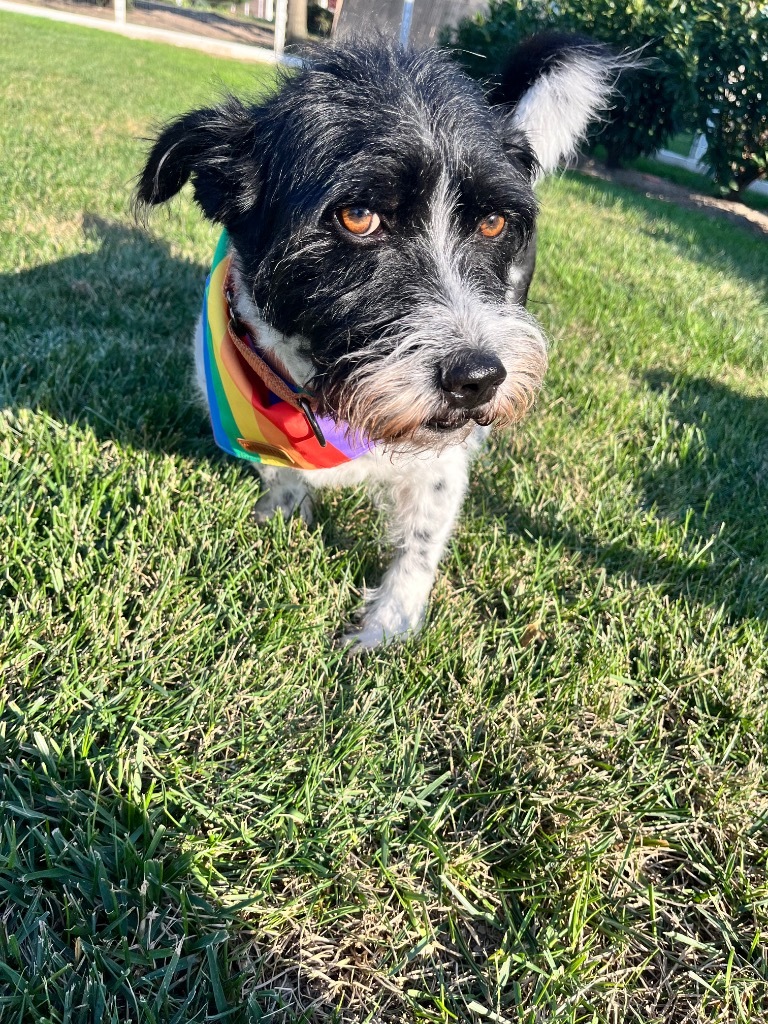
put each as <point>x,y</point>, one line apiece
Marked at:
<point>417,335</point>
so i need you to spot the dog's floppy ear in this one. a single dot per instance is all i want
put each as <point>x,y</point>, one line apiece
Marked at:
<point>218,149</point>
<point>554,85</point>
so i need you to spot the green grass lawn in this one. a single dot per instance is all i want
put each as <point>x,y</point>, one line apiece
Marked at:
<point>681,143</point>
<point>552,807</point>
<point>687,179</point>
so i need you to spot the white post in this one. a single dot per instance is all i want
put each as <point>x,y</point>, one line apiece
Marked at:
<point>281,21</point>
<point>405,22</point>
<point>120,12</point>
<point>698,147</point>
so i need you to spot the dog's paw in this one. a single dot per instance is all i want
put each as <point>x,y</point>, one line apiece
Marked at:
<point>286,501</point>
<point>379,631</point>
<point>364,638</point>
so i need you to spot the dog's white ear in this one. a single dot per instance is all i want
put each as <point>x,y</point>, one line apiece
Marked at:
<point>555,85</point>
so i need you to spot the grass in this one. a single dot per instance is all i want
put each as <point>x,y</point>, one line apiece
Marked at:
<point>551,807</point>
<point>681,143</point>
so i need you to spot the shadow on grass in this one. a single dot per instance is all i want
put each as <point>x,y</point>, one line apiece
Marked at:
<point>100,917</point>
<point>716,469</point>
<point>103,338</point>
<point>716,243</point>
<point>104,911</point>
<point>709,478</point>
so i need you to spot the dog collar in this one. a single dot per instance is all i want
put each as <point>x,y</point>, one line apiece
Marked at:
<point>257,413</point>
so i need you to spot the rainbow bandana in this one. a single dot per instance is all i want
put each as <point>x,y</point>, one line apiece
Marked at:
<point>257,414</point>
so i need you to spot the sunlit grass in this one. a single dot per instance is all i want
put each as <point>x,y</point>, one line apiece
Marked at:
<point>551,807</point>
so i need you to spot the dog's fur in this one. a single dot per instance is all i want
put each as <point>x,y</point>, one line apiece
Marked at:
<point>417,335</point>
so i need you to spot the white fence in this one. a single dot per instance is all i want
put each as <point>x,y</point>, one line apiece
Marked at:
<point>693,162</point>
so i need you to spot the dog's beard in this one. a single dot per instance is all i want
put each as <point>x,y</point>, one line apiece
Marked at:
<point>390,392</point>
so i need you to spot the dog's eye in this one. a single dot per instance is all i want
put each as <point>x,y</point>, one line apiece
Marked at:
<point>492,225</point>
<point>359,220</point>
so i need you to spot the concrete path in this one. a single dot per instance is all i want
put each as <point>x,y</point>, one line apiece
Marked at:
<point>208,44</point>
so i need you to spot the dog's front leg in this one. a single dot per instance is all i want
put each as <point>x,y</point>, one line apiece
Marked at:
<point>426,499</point>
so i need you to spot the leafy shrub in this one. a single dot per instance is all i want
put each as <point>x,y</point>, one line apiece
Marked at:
<point>652,101</point>
<point>706,67</point>
<point>730,39</point>
<point>319,20</point>
<point>483,42</point>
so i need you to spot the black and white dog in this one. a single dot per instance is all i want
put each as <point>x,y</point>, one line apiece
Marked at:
<point>381,217</point>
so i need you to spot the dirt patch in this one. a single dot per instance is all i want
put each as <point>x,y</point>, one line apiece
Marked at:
<point>202,23</point>
<point>658,188</point>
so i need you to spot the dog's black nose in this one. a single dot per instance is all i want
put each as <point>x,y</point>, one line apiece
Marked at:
<point>470,378</point>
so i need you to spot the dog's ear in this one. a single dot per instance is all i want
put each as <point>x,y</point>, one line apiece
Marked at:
<point>553,86</point>
<point>218,149</point>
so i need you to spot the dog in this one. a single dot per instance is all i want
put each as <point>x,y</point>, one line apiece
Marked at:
<point>379,241</point>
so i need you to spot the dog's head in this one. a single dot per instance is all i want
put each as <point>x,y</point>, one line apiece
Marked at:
<point>380,212</point>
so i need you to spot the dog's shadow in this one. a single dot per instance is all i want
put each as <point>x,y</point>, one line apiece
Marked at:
<point>102,339</point>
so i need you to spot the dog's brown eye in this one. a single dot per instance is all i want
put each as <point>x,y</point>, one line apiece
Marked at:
<point>492,225</point>
<point>359,220</point>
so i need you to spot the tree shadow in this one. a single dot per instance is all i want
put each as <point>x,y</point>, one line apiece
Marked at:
<point>714,471</point>
<point>709,479</point>
<point>227,27</point>
<point>103,338</point>
<point>696,235</point>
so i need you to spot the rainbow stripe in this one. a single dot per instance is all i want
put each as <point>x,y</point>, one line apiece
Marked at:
<point>248,420</point>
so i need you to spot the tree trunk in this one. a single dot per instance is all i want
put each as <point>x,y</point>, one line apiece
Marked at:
<point>297,20</point>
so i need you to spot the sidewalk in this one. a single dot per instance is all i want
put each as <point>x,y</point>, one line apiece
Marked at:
<point>210,37</point>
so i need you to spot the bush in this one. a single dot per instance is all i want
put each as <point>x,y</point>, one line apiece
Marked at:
<point>483,42</point>
<point>319,20</point>
<point>731,81</point>
<point>652,102</point>
<point>706,68</point>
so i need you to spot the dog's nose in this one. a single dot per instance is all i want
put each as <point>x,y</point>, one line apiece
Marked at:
<point>470,378</point>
